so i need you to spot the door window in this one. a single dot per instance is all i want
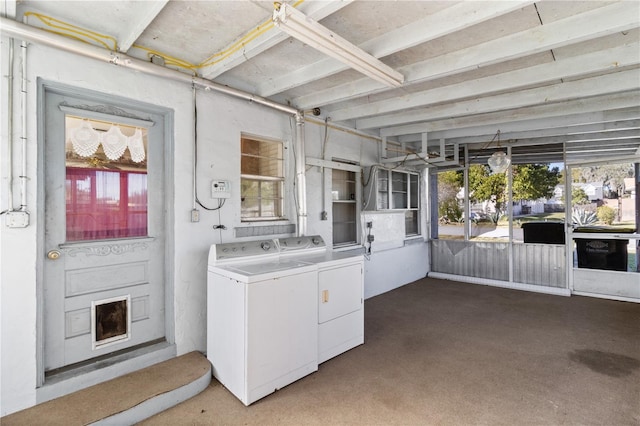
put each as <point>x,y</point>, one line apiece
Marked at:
<point>106,180</point>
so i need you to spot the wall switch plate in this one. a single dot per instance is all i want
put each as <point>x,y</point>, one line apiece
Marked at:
<point>220,189</point>
<point>17,219</point>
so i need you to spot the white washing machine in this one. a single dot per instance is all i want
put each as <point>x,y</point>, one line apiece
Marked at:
<point>340,293</point>
<point>262,310</point>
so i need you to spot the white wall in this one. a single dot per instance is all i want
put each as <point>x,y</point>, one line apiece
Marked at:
<point>221,120</point>
<point>393,268</point>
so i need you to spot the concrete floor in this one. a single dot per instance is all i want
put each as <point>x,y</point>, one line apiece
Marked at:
<point>441,352</point>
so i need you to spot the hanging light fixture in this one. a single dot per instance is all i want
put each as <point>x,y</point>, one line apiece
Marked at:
<point>308,31</point>
<point>498,162</point>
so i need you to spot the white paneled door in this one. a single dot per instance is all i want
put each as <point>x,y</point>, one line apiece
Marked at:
<point>104,246</point>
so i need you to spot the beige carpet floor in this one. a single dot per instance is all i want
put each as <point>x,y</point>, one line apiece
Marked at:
<point>112,397</point>
<point>446,353</point>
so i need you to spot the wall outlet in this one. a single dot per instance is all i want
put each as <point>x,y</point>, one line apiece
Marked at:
<point>220,189</point>
<point>195,215</point>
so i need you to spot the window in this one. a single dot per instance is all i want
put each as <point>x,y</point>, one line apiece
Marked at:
<point>344,207</point>
<point>262,179</point>
<point>106,180</point>
<point>399,191</point>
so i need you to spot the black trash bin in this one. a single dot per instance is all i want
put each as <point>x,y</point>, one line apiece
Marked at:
<point>543,232</point>
<point>602,253</point>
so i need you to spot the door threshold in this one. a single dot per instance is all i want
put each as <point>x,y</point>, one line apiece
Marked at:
<point>70,379</point>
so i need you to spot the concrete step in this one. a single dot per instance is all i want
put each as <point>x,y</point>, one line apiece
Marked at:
<point>124,400</point>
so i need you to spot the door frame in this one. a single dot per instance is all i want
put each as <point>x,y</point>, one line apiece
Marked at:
<point>43,88</point>
<point>569,239</point>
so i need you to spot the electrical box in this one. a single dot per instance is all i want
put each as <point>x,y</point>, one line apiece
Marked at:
<point>17,219</point>
<point>220,189</point>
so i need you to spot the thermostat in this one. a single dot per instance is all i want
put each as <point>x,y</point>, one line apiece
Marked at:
<point>220,189</point>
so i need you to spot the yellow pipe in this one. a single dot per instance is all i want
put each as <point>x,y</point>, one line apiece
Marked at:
<point>70,29</point>
<point>82,34</point>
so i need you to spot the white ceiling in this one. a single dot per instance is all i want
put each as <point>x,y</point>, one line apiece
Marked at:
<point>543,73</point>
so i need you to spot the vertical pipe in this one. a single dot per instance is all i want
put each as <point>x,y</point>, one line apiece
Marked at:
<point>10,126</point>
<point>194,180</point>
<point>23,137</point>
<point>301,185</point>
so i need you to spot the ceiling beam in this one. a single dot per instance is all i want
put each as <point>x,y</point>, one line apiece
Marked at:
<point>540,130</point>
<point>538,138</point>
<point>238,53</point>
<point>141,24</point>
<point>610,83</point>
<point>607,118</point>
<point>589,25</point>
<point>603,108</point>
<point>574,67</point>
<point>447,21</point>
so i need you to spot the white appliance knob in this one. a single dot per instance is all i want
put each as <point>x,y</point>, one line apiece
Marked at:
<point>265,246</point>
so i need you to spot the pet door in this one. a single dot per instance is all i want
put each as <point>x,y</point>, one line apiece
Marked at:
<point>110,321</point>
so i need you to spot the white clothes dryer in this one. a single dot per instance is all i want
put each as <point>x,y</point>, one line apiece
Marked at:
<point>340,293</point>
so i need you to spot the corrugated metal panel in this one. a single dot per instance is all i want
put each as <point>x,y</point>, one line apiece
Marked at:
<point>537,264</point>
<point>472,259</point>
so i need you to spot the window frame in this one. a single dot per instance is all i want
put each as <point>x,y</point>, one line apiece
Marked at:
<point>385,185</point>
<point>279,202</point>
<point>341,203</point>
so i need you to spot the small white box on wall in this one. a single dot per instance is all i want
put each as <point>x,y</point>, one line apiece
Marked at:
<point>220,189</point>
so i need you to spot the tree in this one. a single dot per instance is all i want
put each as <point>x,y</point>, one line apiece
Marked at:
<point>530,182</point>
<point>486,186</point>
<point>533,181</point>
<point>578,196</point>
<point>449,184</point>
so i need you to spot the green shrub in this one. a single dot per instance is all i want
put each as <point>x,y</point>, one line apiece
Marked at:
<point>450,211</point>
<point>606,214</point>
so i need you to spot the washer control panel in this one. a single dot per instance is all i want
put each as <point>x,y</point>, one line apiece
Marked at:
<point>245,249</point>
<point>295,244</point>
<point>265,248</point>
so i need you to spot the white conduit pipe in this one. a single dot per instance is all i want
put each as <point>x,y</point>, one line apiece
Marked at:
<point>10,126</point>
<point>23,133</point>
<point>300,176</point>
<point>15,29</point>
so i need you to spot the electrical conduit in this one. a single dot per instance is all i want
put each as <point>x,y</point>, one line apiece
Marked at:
<point>24,32</point>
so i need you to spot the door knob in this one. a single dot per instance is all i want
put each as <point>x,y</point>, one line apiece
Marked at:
<point>53,254</point>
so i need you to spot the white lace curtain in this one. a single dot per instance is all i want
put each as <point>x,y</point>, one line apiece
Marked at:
<point>86,140</point>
